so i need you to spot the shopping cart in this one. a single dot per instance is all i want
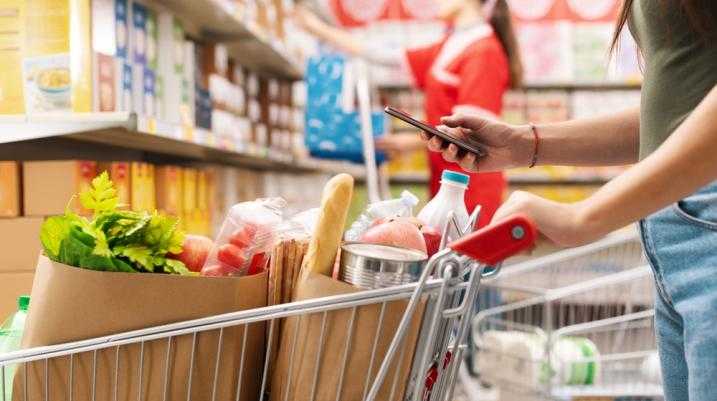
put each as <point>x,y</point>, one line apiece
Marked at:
<point>599,295</point>
<point>447,288</point>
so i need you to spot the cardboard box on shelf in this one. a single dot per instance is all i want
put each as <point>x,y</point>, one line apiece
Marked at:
<point>9,189</point>
<point>189,188</point>
<point>168,189</point>
<point>57,64</point>
<point>11,44</point>
<point>121,176</point>
<point>49,186</point>
<point>110,28</point>
<point>19,243</point>
<point>142,181</point>
<point>12,286</point>
<point>171,67</point>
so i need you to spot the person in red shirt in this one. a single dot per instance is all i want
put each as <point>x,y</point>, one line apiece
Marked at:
<point>467,71</point>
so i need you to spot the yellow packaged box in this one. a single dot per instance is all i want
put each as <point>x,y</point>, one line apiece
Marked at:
<point>57,64</point>
<point>12,38</point>
<point>189,187</point>
<point>168,189</point>
<point>9,189</point>
<point>142,192</point>
<point>47,185</point>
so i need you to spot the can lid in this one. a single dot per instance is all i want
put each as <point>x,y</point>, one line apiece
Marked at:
<point>23,302</point>
<point>455,177</point>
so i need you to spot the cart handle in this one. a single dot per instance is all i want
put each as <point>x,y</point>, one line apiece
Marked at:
<point>493,244</point>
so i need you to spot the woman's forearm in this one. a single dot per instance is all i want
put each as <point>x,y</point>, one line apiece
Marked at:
<point>684,163</point>
<point>600,141</point>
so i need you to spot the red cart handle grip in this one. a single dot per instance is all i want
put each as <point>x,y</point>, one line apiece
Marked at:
<point>497,242</point>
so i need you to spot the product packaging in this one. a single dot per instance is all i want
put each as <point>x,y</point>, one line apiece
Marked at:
<point>245,239</point>
<point>9,189</point>
<point>168,189</point>
<point>70,304</point>
<point>120,174</point>
<point>11,44</point>
<point>399,207</point>
<point>171,67</point>
<point>18,244</point>
<point>48,185</point>
<point>57,64</point>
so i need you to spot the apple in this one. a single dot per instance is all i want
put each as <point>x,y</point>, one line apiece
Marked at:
<point>195,250</point>
<point>396,232</point>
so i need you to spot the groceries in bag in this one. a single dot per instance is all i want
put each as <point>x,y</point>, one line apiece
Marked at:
<point>379,211</point>
<point>10,340</point>
<point>113,239</point>
<point>450,198</point>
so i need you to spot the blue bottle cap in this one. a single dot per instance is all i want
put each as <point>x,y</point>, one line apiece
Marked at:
<point>455,177</point>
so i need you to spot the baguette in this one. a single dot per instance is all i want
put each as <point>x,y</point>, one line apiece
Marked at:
<point>328,233</point>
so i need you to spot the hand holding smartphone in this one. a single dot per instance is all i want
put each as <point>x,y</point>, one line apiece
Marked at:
<point>462,145</point>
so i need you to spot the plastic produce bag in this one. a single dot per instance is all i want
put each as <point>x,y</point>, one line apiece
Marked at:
<point>247,235</point>
<point>399,207</point>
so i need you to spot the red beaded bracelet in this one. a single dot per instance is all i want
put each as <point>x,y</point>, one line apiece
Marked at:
<point>534,160</point>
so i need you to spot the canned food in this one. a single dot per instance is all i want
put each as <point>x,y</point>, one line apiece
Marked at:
<point>372,266</point>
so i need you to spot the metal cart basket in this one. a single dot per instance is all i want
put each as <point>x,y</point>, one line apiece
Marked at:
<point>446,291</point>
<point>574,324</point>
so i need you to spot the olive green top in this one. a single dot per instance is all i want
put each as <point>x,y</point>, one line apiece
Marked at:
<point>679,68</point>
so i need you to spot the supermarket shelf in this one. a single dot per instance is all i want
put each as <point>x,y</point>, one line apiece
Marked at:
<point>516,180</point>
<point>557,86</point>
<point>125,131</point>
<point>586,86</point>
<point>222,21</point>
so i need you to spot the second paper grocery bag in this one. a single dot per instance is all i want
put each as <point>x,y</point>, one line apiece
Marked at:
<point>337,358</point>
<point>70,304</point>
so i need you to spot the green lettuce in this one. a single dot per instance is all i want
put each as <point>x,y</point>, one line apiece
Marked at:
<point>113,240</point>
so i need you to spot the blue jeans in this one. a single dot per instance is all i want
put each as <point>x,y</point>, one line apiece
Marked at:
<point>681,245</point>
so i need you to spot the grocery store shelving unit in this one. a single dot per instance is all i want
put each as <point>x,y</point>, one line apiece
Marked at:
<point>108,135</point>
<point>223,21</point>
<point>123,135</point>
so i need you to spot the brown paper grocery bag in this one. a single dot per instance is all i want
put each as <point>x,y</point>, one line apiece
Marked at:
<point>294,375</point>
<point>70,304</point>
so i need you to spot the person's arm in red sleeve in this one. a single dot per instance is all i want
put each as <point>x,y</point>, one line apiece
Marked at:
<point>419,61</point>
<point>483,80</point>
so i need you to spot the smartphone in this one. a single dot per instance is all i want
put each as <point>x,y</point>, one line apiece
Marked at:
<point>463,145</point>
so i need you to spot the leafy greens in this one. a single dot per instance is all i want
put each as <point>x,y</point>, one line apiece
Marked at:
<point>113,240</point>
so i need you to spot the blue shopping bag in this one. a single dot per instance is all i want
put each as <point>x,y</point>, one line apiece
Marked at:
<point>333,126</point>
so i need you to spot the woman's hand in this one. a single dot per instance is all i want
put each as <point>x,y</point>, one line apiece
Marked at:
<point>505,146</point>
<point>565,224</point>
<point>396,144</point>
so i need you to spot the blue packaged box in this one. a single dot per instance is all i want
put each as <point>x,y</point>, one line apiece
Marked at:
<point>331,131</point>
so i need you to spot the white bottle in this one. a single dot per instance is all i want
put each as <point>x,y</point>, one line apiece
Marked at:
<point>450,198</point>
<point>399,207</point>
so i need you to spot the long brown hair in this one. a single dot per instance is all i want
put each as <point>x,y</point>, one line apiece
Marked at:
<point>502,24</point>
<point>701,18</point>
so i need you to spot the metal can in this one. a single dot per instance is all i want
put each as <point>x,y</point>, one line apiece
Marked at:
<point>371,266</point>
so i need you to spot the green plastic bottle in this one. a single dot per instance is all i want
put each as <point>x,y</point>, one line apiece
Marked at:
<point>10,339</point>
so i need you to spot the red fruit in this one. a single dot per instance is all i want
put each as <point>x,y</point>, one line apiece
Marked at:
<point>220,270</point>
<point>397,232</point>
<point>432,238</point>
<point>258,264</point>
<point>195,250</point>
<point>243,237</point>
<point>231,255</point>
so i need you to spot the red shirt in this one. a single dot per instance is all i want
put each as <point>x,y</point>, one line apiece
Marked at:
<point>467,70</point>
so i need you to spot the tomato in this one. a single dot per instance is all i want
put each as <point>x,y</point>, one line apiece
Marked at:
<point>258,263</point>
<point>231,255</point>
<point>242,237</point>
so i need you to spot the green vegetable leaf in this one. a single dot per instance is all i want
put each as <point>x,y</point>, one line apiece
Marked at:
<point>173,266</point>
<point>101,197</point>
<point>54,230</point>
<point>137,254</point>
<point>163,234</point>
<point>122,266</point>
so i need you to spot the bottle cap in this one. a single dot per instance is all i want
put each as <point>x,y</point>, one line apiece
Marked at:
<point>23,302</point>
<point>454,177</point>
<point>409,199</point>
